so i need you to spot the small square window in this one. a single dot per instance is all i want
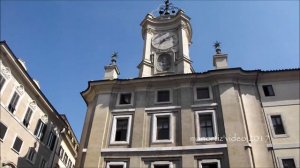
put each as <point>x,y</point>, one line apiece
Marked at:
<point>17,144</point>
<point>202,93</point>
<point>268,90</point>
<point>288,163</point>
<point>162,128</point>
<point>163,96</point>
<point>121,129</point>
<point>125,98</point>
<point>116,165</point>
<point>210,163</point>
<point>162,164</point>
<point>3,130</point>
<point>277,125</point>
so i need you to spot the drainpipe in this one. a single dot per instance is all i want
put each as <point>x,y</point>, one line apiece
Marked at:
<point>265,118</point>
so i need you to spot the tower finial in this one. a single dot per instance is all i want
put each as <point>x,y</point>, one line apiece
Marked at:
<point>217,46</point>
<point>114,58</point>
<point>167,8</point>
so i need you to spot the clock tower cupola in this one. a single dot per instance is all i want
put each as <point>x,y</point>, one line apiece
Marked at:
<point>167,38</point>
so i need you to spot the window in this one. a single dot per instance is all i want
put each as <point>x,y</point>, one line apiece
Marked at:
<point>17,144</point>
<point>65,159</point>
<point>210,163</point>
<point>3,130</point>
<point>288,163</point>
<point>43,163</point>
<point>268,90</point>
<point>206,125</point>
<point>27,117</point>
<point>116,165</point>
<point>162,130</point>
<point>277,125</point>
<point>161,164</point>
<point>121,129</point>
<point>13,102</point>
<point>125,99</point>
<point>2,81</point>
<point>202,93</point>
<point>51,140</point>
<point>31,155</point>
<point>61,153</point>
<point>163,96</point>
<point>40,130</point>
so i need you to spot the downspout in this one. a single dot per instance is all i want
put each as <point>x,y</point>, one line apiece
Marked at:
<point>265,119</point>
<point>246,124</point>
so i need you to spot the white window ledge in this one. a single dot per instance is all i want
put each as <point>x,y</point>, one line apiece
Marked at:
<point>162,108</point>
<point>157,149</point>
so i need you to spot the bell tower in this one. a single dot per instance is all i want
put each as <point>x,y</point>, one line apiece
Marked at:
<point>167,38</point>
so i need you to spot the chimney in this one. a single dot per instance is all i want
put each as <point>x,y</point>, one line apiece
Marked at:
<point>112,70</point>
<point>219,59</point>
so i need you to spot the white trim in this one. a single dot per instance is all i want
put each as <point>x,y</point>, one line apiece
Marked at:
<point>171,128</point>
<point>116,164</point>
<point>123,110</point>
<point>283,146</point>
<point>210,161</point>
<point>131,99</point>
<point>204,105</point>
<point>84,150</point>
<point>203,86</point>
<point>158,149</point>
<point>285,135</point>
<point>198,130</point>
<point>280,163</point>
<point>157,163</point>
<point>170,96</point>
<point>5,131</point>
<point>162,108</point>
<point>114,129</point>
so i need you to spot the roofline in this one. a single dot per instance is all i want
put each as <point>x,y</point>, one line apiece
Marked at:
<point>68,123</point>
<point>189,74</point>
<point>30,78</point>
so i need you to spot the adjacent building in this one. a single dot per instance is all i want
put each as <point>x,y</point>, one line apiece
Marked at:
<point>31,130</point>
<point>171,116</point>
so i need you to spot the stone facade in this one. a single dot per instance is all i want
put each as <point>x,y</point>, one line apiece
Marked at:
<point>172,117</point>
<point>31,129</point>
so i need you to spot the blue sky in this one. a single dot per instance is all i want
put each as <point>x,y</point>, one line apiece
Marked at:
<point>67,43</point>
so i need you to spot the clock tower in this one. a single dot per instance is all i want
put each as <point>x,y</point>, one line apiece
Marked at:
<point>167,38</point>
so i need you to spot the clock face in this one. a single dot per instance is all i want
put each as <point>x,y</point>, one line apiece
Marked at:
<point>164,40</point>
<point>164,62</point>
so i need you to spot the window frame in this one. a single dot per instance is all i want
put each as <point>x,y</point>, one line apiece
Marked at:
<point>171,128</point>
<point>12,147</point>
<point>119,99</point>
<point>34,156</point>
<point>30,119</point>
<point>42,159</point>
<point>17,104</point>
<point>164,102</point>
<point>267,86</point>
<point>285,135</point>
<point>158,163</point>
<point>198,128</point>
<point>2,139</point>
<point>114,129</point>
<point>210,161</point>
<point>108,164</point>
<point>203,86</point>
<point>4,84</point>
<point>6,74</point>
<point>50,142</point>
<point>280,160</point>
